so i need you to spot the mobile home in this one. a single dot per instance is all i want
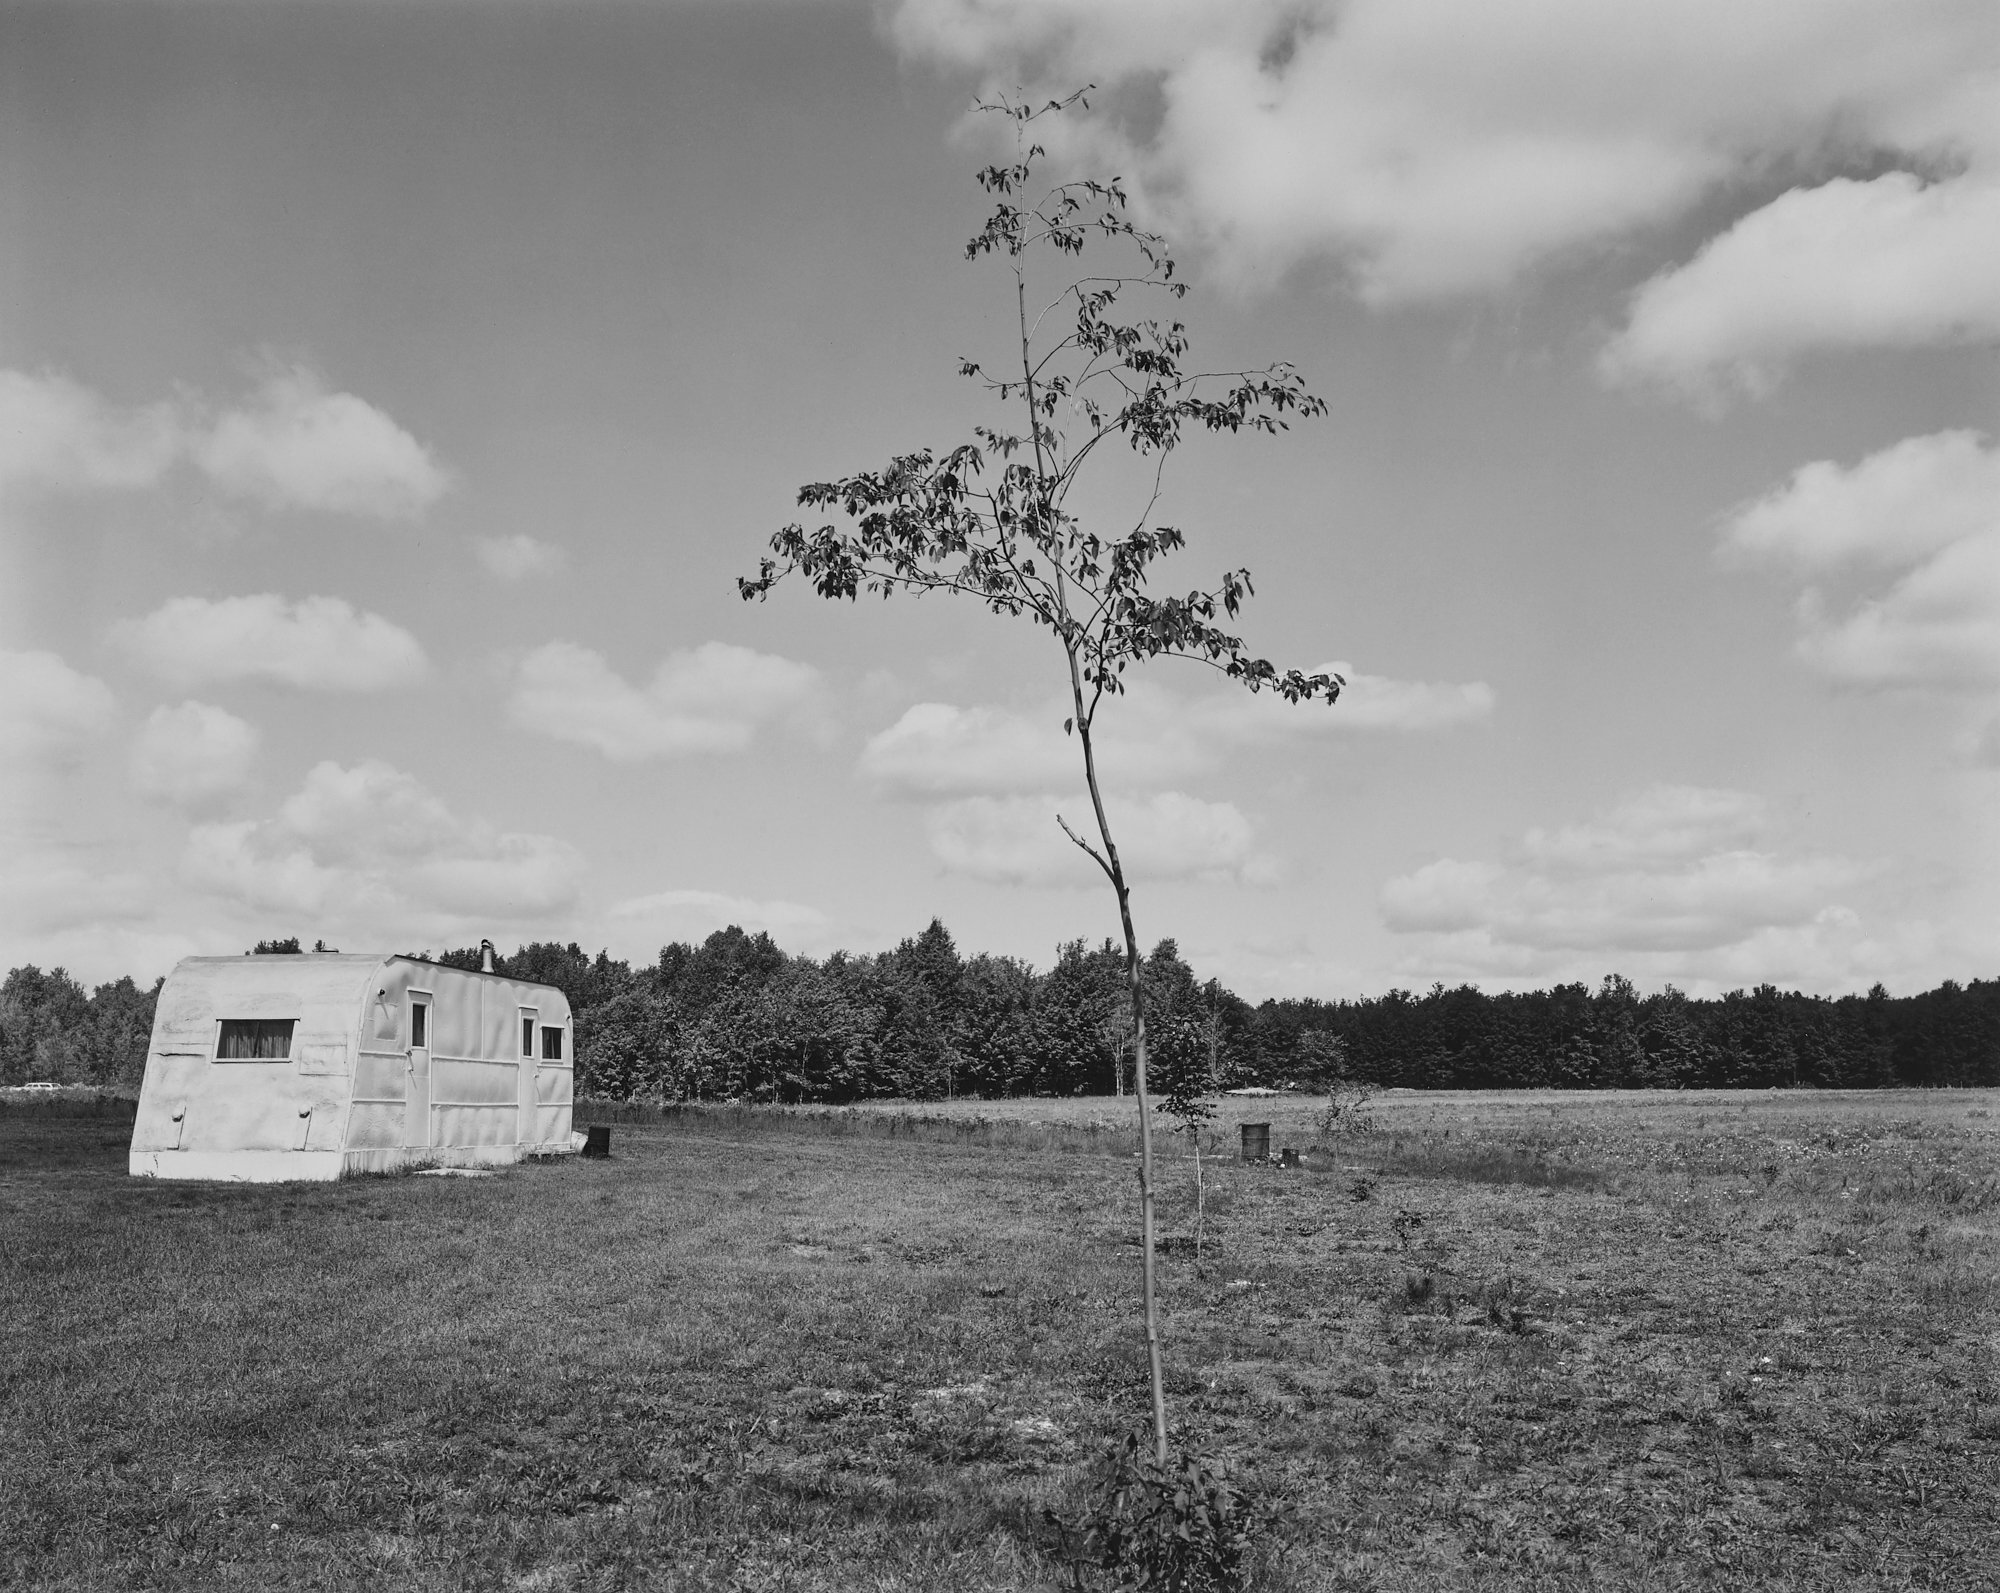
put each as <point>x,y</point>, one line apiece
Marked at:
<point>305,1067</point>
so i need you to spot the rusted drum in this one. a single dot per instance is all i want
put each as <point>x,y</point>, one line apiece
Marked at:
<point>1256,1142</point>
<point>597,1140</point>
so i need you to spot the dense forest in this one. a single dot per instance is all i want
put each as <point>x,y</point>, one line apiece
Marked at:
<point>735,1017</point>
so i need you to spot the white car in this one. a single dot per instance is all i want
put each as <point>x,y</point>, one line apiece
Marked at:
<point>41,1084</point>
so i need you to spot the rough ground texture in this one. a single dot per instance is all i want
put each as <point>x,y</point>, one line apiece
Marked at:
<point>1522,1341</point>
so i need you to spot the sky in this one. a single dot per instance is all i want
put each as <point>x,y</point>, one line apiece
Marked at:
<point>390,395</point>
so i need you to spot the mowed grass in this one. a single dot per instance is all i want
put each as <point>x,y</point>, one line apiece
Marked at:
<point>1505,1341</point>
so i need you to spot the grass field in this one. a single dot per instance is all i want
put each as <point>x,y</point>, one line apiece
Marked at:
<point>1506,1341</point>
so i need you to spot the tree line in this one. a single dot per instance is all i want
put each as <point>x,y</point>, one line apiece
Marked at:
<point>736,1017</point>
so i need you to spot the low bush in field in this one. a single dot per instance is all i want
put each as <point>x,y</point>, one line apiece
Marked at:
<point>1191,1524</point>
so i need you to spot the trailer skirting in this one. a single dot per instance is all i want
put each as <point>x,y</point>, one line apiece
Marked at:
<point>309,1166</point>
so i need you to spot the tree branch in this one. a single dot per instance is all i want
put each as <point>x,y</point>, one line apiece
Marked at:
<point>1092,852</point>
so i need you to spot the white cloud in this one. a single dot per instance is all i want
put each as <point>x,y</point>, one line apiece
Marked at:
<point>298,446</point>
<point>1892,262</point>
<point>641,925</point>
<point>317,643</point>
<point>1893,508</point>
<point>57,435</point>
<point>1149,736</point>
<point>292,445</point>
<point>1016,840</point>
<point>938,749</point>
<point>1663,826</point>
<point>517,558</point>
<point>1928,506</point>
<point>193,755</point>
<point>246,862</point>
<point>710,698</point>
<point>1939,626</point>
<point>369,849</point>
<point>1672,870</point>
<point>47,708</point>
<point>1444,146</point>
<point>369,810</point>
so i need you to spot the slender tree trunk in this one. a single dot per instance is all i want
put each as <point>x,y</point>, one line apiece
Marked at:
<point>1111,867</point>
<point>1200,1205</point>
<point>1135,976</point>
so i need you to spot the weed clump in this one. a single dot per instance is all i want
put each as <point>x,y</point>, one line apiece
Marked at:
<point>1193,1525</point>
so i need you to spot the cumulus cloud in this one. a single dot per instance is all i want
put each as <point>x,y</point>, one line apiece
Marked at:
<point>992,776</point>
<point>1149,736</point>
<point>292,445</point>
<point>57,435</point>
<point>940,749</point>
<point>1671,870</point>
<point>1017,841</point>
<point>349,814</point>
<point>193,755</point>
<point>316,643</point>
<point>47,708</point>
<point>370,845</point>
<point>1929,508</point>
<point>1893,508</point>
<point>1939,626</point>
<point>710,698</point>
<point>248,863</point>
<point>1443,146</point>
<point>296,445</point>
<point>517,558</point>
<point>1892,262</point>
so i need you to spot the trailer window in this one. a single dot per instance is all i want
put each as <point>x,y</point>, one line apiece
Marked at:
<point>528,1035</point>
<point>551,1044</point>
<point>255,1040</point>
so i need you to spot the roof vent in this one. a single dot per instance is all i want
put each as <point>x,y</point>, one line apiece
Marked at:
<point>486,956</point>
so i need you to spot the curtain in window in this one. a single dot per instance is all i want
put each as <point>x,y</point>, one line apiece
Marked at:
<point>255,1040</point>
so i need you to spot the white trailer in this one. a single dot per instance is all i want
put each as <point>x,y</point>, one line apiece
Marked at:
<point>266,1068</point>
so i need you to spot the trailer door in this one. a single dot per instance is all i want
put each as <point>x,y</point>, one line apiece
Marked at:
<point>417,1077</point>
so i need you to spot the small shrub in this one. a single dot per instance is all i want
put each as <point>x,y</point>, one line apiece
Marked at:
<point>1191,1526</point>
<point>1345,1111</point>
<point>1506,1305</point>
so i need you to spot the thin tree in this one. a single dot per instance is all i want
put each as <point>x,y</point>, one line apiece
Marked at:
<point>991,518</point>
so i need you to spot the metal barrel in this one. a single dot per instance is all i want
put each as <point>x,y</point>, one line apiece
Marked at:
<point>1256,1142</point>
<point>597,1140</point>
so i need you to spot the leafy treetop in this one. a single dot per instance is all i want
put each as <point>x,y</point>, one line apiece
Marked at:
<point>991,518</point>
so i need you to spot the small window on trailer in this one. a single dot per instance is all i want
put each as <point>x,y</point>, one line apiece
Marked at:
<point>254,1039</point>
<point>551,1043</point>
<point>528,1016</point>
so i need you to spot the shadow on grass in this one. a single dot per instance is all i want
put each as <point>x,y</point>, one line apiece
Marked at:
<point>1476,1162</point>
<point>1100,1136</point>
